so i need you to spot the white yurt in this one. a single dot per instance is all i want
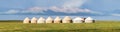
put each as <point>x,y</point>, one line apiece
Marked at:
<point>66,19</point>
<point>26,20</point>
<point>34,20</point>
<point>41,20</point>
<point>57,20</point>
<point>89,20</point>
<point>78,20</point>
<point>49,20</point>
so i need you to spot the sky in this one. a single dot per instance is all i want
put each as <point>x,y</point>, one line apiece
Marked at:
<point>88,7</point>
<point>60,7</point>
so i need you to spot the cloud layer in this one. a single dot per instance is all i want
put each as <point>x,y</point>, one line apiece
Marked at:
<point>74,3</point>
<point>68,10</point>
<point>54,9</point>
<point>68,7</point>
<point>71,6</point>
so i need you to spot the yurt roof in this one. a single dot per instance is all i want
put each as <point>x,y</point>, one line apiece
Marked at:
<point>67,18</point>
<point>34,18</point>
<point>49,18</point>
<point>27,18</point>
<point>57,18</point>
<point>41,18</point>
<point>89,18</point>
<point>78,18</point>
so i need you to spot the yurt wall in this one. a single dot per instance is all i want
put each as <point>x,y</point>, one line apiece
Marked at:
<point>34,20</point>
<point>89,20</point>
<point>67,19</point>
<point>78,20</point>
<point>49,20</point>
<point>57,20</point>
<point>26,20</point>
<point>41,20</point>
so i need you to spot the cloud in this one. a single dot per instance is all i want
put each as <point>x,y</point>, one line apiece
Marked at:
<point>71,6</point>
<point>68,10</point>
<point>115,14</point>
<point>74,3</point>
<point>58,9</point>
<point>11,12</point>
<point>33,10</point>
<point>36,10</point>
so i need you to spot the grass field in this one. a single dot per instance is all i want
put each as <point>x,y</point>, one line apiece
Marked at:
<point>99,26</point>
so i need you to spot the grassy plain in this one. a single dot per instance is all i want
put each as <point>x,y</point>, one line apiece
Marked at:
<point>99,26</point>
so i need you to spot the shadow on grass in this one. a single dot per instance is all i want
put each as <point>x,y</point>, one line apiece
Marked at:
<point>82,30</point>
<point>69,30</point>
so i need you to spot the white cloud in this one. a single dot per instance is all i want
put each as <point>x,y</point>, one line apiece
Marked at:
<point>71,6</point>
<point>74,3</point>
<point>33,10</point>
<point>12,12</point>
<point>115,14</point>
<point>36,10</point>
<point>96,12</point>
<point>68,10</point>
<point>56,9</point>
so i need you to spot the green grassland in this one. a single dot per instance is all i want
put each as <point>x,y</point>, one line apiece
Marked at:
<point>99,26</point>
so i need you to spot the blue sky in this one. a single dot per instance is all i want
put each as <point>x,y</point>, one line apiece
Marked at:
<point>60,7</point>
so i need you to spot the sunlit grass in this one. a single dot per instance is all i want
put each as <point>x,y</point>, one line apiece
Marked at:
<point>99,26</point>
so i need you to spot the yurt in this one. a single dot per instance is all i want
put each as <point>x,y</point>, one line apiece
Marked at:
<point>67,19</point>
<point>41,20</point>
<point>26,20</point>
<point>78,20</point>
<point>57,20</point>
<point>34,20</point>
<point>49,20</point>
<point>89,20</point>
